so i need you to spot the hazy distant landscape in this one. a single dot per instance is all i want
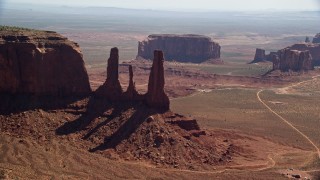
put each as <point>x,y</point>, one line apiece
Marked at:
<point>97,29</point>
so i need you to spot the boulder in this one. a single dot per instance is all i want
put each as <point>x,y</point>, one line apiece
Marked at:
<point>316,39</point>
<point>294,60</point>
<point>182,48</point>
<point>156,97</point>
<point>36,62</point>
<point>111,89</point>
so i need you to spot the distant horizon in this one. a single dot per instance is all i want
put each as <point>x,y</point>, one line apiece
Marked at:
<point>186,6</point>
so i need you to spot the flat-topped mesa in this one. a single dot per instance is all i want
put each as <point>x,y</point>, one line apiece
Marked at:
<point>182,48</point>
<point>293,60</point>
<point>111,89</point>
<point>156,97</point>
<point>316,39</point>
<point>36,62</point>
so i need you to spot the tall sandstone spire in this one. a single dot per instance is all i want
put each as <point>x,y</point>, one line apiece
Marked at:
<point>131,94</point>
<point>156,96</point>
<point>111,89</point>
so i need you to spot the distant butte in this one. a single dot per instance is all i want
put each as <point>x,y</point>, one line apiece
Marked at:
<point>182,48</point>
<point>293,60</point>
<point>316,39</point>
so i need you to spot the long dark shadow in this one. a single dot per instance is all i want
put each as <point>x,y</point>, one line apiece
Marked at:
<point>115,113</point>
<point>125,131</point>
<point>95,108</point>
<point>19,103</point>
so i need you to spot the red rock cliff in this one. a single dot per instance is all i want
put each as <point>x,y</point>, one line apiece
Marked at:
<point>293,60</point>
<point>41,63</point>
<point>314,50</point>
<point>111,89</point>
<point>156,96</point>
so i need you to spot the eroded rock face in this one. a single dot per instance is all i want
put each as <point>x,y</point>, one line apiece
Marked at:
<point>316,39</point>
<point>270,56</point>
<point>41,63</point>
<point>276,62</point>
<point>260,55</point>
<point>183,48</point>
<point>156,96</point>
<point>314,50</point>
<point>111,89</point>
<point>294,60</point>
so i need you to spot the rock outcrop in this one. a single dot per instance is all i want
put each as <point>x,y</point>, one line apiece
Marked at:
<point>270,56</point>
<point>293,60</point>
<point>131,93</point>
<point>275,62</point>
<point>316,39</point>
<point>313,48</point>
<point>111,89</point>
<point>41,63</point>
<point>260,55</point>
<point>156,96</point>
<point>182,48</point>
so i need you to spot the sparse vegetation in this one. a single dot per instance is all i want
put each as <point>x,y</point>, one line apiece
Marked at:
<point>239,109</point>
<point>15,28</point>
<point>237,70</point>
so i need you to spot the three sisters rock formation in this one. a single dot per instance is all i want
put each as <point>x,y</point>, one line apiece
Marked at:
<point>155,96</point>
<point>45,63</point>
